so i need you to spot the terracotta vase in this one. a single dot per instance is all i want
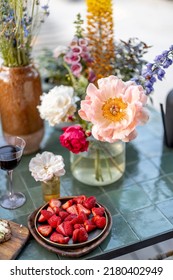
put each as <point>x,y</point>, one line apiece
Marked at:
<point>20,90</point>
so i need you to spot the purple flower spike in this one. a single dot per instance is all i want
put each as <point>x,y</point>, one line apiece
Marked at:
<point>148,90</point>
<point>160,74</point>
<point>149,66</point>
<point>159,58</point>
<point>167,63</point>
<point>154,71</point>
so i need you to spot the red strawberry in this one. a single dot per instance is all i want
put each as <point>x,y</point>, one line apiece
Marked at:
<point>45,230</point>
<point>81,208</point>
<point>56,209</point>
<point>41,219</point>
<point>63,214</point>
<point>78,226</point>
<point>82,235</point>
<point>70,217</point>
<point>80,219</point>
<point>68,228</point>
<point>72,210</point>
<point>67,204</point>
<point>54,221</point>
<point>75,235</point>
<point>89,225</point>
<point>50,209</point>
<point>100,222</point>
<point>79,199</point>
<point>60,229</point>
<point>59,238</point>
<point>82,216</point>
<point>90,202</point>
<point>98,211</point>
<point>46,214</point>
<point>54,202</point>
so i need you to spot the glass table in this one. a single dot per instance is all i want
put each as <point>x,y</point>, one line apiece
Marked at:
<point>141,202</point>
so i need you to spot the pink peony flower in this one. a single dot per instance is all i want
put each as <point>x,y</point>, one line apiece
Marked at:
<point>115,108</point>
<point>74,139</point>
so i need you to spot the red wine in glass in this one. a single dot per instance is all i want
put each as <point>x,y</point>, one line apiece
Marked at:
<point>11,150</point>
<point>10,161</point>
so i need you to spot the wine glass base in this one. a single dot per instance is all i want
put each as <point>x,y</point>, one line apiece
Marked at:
<point>14,202</point>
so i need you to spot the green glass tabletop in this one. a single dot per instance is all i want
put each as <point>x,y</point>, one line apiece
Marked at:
<point>141,202</point>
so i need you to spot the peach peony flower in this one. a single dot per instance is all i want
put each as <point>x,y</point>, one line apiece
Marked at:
<point>115,108</point>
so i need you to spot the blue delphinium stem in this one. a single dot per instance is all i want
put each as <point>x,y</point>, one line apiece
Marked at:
<point>155,71</point>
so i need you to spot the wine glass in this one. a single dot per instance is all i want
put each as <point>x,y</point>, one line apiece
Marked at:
<point>11,150</point>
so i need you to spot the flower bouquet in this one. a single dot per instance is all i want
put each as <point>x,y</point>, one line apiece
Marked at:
<point>110,113</point>
<point>110,86</point>
<point>102,110</point>
<point>112,110</point>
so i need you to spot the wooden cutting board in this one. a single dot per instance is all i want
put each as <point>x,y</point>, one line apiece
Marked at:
<point>11,248</point>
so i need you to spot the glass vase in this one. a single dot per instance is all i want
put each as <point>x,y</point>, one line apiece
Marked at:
<point>102,164</point>
<point>51,189</point>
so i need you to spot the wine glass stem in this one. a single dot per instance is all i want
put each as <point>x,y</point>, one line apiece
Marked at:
<point>10,178</point>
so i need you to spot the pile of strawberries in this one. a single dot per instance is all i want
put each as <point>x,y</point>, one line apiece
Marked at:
<point>74,219</point>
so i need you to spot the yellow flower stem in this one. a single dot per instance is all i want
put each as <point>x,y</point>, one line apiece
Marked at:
<point>100,34</point>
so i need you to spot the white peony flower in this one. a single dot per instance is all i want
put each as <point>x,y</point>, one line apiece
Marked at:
<point>45,166</point>
<point>57,105</point>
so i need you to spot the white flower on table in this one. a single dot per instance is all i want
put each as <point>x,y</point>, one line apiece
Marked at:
<point>45,166</point>
<point>58,105</point>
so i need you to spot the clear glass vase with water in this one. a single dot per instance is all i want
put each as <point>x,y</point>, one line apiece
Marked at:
<point>102,164</point>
